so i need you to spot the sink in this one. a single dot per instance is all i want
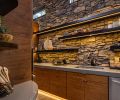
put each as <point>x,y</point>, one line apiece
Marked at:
<point>88,66</point>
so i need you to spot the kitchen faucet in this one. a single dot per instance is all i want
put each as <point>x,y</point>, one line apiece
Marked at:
<point>92,59</point>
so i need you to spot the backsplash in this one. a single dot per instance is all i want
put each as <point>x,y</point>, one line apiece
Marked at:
<point>89,47</point>
<point>99,48</point>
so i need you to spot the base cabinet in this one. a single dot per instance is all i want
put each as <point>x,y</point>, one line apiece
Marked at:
<point>86,87</point>
<point>42,78</point>
<point>58,83</point>
<point>94,91</point>
<point>52,81</point>
<point>75,86</point>
<point>72,86</point>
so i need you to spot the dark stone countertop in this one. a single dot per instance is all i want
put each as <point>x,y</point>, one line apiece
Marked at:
<point>24,91</point>
<point>104,71</point>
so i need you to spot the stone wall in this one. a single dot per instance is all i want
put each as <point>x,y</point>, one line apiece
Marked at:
<point>61,11</point>
<point>93,46</point>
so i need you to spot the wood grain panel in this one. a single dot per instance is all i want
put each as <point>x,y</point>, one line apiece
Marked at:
<point>95,91</point>
<point>42,78</point>
<point>97,79</point>
<point>75,86</point>
<point>19,23</point>
<point>58,83</point>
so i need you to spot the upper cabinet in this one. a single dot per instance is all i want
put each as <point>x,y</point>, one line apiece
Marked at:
<point>7,5</point>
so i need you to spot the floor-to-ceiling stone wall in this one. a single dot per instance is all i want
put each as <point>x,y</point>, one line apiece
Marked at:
<point>61,11</point>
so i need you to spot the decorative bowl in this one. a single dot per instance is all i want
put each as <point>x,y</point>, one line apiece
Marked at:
<point>6,37</point>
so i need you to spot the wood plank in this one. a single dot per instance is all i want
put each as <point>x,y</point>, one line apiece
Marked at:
<point>58,83</point>
<point>75,86</point>
<point>59,50</point>
<point>7,45</point>
<point>18,61</point>
<point>95,91</point>
<point>92,33</point>
<point>42,78</point>
<point>97,79</point>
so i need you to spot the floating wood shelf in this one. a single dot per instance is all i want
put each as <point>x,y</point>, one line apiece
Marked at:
<point>7,5</point>
<point>7,45</point>
<point>84,20</point>
<point>93,33</point>
<point>59,50</point>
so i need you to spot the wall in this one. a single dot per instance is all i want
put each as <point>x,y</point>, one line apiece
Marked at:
<point>97,46</point>
<point>19,23</point>
<point>60,11</point>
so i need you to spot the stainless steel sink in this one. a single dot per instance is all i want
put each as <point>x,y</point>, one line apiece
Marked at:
<point>88,66</point>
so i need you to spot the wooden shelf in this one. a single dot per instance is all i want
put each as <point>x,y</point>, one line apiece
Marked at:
<point>59,50</point>
<point>7,5</point>
<point>84,20</point>
<point>93,33</point>
<point>7,45</point>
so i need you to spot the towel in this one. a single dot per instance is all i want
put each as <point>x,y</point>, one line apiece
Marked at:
<point>5,84</point>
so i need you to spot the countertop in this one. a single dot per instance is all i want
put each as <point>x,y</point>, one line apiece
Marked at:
<point>105,71</point>
<point>24,91</point>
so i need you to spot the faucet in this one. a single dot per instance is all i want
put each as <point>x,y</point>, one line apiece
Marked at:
<point>92,59</point>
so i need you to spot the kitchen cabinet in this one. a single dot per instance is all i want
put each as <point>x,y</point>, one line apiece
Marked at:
<point>72,85</point>
<point>75,86</point>
<point>86,87</point>
<point>42,78</point>
<point>95,91</point>
<point>96,87</point>
<point>52,81</point>
<point>58,83</point>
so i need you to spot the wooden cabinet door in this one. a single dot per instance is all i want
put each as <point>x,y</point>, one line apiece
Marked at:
<point>58,83</point>
<point>42,78</point>
<point>75,86</point>
<point>96,88</point>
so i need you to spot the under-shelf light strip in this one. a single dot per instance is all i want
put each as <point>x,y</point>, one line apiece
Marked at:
<point>50,95</point>
<point>90,35</point>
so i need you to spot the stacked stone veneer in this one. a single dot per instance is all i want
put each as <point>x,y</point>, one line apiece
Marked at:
<point>61,11</point>
<point>93,46</point>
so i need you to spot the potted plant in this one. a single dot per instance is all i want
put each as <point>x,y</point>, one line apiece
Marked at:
<point>4,36</point>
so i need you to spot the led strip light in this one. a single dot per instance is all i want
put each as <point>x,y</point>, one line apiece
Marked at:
<point>50,95</point>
